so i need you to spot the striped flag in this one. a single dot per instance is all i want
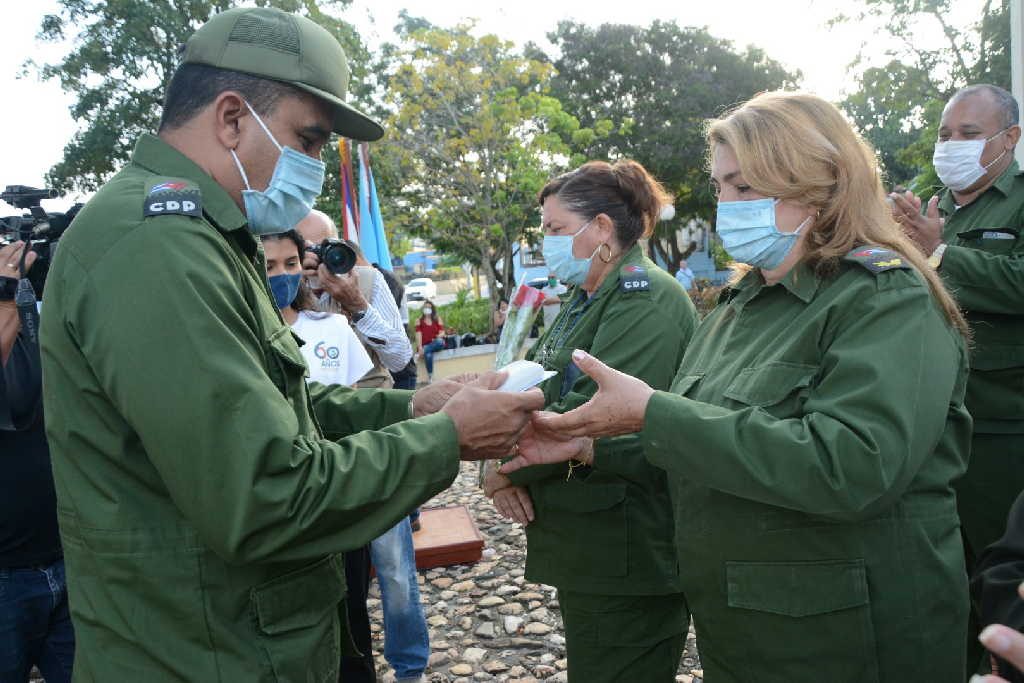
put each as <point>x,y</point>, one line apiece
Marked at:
<point>349,213</point>
<point>371,226</point>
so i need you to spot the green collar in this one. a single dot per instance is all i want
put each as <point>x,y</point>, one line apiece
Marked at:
<point>157,156</point>
<point>1004,184</point>
<point>800,281</point>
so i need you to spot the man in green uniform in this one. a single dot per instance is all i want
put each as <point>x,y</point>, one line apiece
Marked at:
<point>204,492</point>
<point>972,230</point>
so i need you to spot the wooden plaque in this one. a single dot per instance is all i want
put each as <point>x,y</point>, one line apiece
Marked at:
<point>447,536</point>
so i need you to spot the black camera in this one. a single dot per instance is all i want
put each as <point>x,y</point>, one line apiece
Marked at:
<point>337,255</point>
<point>37,227</point>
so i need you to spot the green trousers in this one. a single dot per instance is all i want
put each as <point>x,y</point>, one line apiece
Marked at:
<point>994,479</point>
<point>623,638</point>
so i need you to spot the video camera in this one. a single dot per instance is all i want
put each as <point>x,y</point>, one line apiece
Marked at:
<point>336,255</point>
<point>38,228</point>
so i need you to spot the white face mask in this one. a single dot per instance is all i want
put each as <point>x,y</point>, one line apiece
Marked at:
<point>958,162</point>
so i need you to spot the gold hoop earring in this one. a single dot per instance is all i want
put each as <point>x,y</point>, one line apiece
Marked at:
<point>606,259</point>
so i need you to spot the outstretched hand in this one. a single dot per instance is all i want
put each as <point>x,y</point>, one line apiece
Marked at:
<point>489,422</point>
<point>541,447</point>
<point>618,407</point>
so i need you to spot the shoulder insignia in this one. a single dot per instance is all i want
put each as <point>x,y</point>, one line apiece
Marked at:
<point>877,259</point>
<point>173,196</point>
<point>634,278</point>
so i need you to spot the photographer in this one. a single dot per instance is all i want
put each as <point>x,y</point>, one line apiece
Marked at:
<point>35,626</point>
<point>373,313</point>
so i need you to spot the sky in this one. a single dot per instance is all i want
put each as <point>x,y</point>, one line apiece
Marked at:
<point>36,125</point>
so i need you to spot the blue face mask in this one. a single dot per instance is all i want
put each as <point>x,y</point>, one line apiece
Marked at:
<point>557,250</point>
<point>749,234</point>
<point>295,185</point>
<point>285,288</point>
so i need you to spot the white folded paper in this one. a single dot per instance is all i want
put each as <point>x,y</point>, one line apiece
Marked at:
<point>524,374</point>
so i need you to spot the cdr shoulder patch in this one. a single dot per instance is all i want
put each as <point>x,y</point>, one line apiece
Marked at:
<point>877,259</point>
<point>173,196</point>
<point>634,278</point>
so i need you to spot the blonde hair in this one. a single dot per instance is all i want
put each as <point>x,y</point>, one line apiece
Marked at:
<point>798,146</point>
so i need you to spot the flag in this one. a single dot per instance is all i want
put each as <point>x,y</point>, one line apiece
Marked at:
<point>374,241</point>
<point>349,214</point>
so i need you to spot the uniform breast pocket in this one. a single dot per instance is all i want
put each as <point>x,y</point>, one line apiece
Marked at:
<point>285,365</point>
<point>991,240</point>
<point>297,618</point>
<point>1004,244</point>
<point>778,387</point>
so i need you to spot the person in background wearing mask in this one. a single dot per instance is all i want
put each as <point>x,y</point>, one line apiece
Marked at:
<point>971,231</point>
<point>604,538</point>
<point>815,425</point>
<point>205,492</point>
<point>332,351</point>
<point>429,336</point>
<point>553,292</point>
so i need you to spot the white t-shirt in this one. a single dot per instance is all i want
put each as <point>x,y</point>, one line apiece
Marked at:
<point>332,350</point>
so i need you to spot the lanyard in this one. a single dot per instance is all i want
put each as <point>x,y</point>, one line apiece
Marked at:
<point>564,325</point>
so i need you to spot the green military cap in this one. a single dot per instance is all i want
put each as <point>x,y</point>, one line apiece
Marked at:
<point>284,47</point>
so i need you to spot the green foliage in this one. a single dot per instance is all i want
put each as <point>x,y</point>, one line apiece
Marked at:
<point>898,106</point>
<point>463,315</point>
<point>472,137</point>
<point>720,255</point>
<point>660,83</point>
<point>124,53</point>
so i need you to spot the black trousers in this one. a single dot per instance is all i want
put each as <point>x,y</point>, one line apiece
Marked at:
<point>357,577</point>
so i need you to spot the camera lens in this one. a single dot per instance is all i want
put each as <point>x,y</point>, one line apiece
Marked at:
<point>337,257</point>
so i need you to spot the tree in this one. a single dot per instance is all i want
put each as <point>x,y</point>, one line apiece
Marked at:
<point>471,138</point>
<point>664,82</point>
<point>897,106</point>
<point>124,53</point>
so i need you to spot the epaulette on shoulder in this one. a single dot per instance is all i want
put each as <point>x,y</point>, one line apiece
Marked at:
<point>165,196</point>
<point>877,259</point>
<point>634,278</point>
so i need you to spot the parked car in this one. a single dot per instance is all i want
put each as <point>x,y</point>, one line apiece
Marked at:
<point>421,288</point>
<point>537,282</point>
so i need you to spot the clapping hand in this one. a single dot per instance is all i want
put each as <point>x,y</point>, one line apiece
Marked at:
<point>925,229</point>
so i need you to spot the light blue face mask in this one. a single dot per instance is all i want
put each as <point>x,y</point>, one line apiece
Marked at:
<point>557,250</point>
<point>749,233</point>
<point>295,185</point>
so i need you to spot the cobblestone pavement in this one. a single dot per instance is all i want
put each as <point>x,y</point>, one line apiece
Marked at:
<point>487,623</point>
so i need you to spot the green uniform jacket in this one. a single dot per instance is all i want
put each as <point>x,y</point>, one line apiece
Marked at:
<point>610,531</point>
<point>203,492</point>
<point>810,438</point>
<point>984,269</point>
